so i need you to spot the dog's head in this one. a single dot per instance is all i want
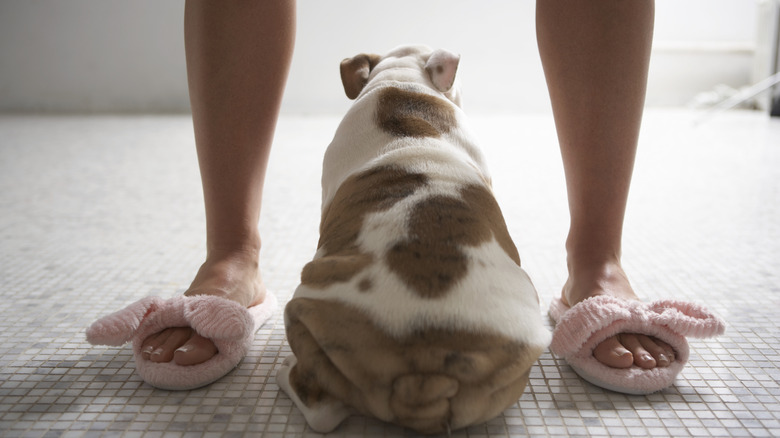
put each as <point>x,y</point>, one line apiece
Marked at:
<point>419,64</point>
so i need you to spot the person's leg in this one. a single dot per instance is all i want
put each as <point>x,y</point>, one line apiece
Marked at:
<point>238,56</point>
<point>595,55</point>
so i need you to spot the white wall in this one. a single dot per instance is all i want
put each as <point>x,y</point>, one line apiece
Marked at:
<point>113,55</point>
<point>92,55</point>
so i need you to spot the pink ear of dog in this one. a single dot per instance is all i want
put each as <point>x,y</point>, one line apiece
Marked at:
<point>442,67</point>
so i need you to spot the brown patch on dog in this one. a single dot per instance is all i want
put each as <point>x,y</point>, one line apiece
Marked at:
<point>365,285</point>
<point>490,213</point>
<point>430,260</point>
<point>336,268</point>
<point>374,190</point>
<point>430,380</point>
<point>405,113</point>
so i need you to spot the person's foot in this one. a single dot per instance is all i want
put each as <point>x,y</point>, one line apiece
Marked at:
<point>234,276</point>
<point>625,349</point>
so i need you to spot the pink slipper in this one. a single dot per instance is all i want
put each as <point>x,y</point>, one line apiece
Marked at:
<point>581,328</point>
<point>229,325</point>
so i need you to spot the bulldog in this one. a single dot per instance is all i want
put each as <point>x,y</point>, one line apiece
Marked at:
<point>414,308</point>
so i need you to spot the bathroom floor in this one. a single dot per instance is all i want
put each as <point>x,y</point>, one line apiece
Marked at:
<point>97,212</point>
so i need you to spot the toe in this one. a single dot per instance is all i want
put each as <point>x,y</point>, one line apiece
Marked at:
<point>176,338</point>
<point>667,349</point>
<point>147,348</point>
<point>196,350</point>
<point>153,342</point>
<point>613,354</point>
<point>642,357</point>
<point>659,353</point>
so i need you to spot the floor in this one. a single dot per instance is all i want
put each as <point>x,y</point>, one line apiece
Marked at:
<point>97,212</point>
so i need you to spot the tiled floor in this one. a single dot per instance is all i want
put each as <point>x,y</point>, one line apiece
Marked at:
<point>98,212</point>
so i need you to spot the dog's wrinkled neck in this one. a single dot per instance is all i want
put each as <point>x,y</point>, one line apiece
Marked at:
<point>407,78</point>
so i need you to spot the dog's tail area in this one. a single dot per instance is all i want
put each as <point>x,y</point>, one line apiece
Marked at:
<point>431,381</point>
<point>423,401</point>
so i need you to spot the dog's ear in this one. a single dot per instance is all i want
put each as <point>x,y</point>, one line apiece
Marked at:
<point>355,71</point>
<point>441,68</point>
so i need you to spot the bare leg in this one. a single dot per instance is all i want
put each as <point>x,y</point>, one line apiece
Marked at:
<point>595,55</point>
<point>238,57</point>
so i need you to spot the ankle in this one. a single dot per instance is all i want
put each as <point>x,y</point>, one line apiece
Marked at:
<point>592,264</point>
<point>243,257</point>
<point>595,275</point>
<point>230,272</point>
<point>591,245</point>
<point>245,250</point>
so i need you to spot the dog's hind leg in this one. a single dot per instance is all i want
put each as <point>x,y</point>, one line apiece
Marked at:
<point>324,415</point>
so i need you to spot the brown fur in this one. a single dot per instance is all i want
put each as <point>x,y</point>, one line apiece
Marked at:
<point>431,259</point>
<point>365,285</point>
<point>374,190</point>
<point>355,71</point>
<point>429,381</point>
<point>334,268</point>
<point>404,113</point>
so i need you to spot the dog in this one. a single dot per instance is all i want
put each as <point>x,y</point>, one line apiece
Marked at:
<point>414,309</point>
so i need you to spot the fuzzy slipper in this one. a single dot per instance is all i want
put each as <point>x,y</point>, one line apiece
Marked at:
<point>229,325</point>
<point>581,328</point>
